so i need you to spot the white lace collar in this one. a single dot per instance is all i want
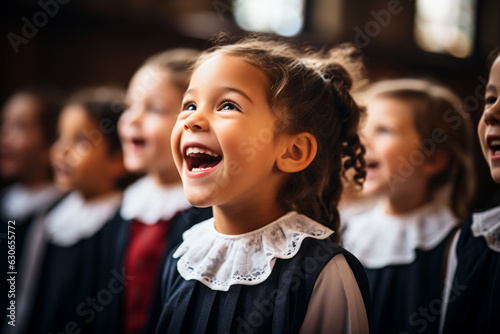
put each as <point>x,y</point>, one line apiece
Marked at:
<point>149,202</point>
<point>487,225</point>
<point>75,219</point>
<point>219,261</point>
<point>379,240</point>
<point>20,202</point>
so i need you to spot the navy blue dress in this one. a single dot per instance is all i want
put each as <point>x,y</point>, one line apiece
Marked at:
<point>68,295</point>
<point>407,298</point>
<point>474,305</point>
<point>277,305</point>
<point>110,319</point>
<point>20,228</point>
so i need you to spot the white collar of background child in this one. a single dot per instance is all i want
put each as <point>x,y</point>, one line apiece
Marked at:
<point>20,201</point>
<point>487,225</point>
<point>75,219</point>
<point>379,240</point>
<point>246,259</point>
<point>149,202</point>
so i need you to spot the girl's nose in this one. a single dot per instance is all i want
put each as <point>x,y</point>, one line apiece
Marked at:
<point>60,148</point>
<point>196,122</point>
<point>132,116</point>
<point>492,114</point>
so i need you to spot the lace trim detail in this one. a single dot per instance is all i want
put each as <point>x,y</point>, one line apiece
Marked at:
<point>487,225</point>
<point>149,202</point>
<point>379,240</point>
<point>220,261</point>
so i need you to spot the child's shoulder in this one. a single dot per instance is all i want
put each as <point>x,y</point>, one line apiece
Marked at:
<point>481,230</point>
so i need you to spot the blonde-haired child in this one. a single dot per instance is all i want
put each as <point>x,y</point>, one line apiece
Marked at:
<point>418,146</point>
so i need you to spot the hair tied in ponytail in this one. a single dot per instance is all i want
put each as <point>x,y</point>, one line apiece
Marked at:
<point>325,76</point>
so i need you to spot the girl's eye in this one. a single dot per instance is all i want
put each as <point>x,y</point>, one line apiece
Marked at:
<point>156,110</point>
<point>383,130</point>
<point>81,139</point>
<point>228,106</point>
<point>490,99</point>
<point>189,106</point>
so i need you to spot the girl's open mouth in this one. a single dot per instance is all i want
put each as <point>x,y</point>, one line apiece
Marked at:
<point>138,141</point>
<point>494,146</point>
<point>372,168</point>
<point>199,159</point>
<point>62,171</point>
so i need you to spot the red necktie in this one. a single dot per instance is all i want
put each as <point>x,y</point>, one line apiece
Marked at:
<point>143,257</point>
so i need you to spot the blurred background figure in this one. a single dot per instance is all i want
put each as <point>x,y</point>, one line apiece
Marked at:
<point>61,267</point>
<point>28,128</point>
<point>418,158</point>
<point>154,212</point>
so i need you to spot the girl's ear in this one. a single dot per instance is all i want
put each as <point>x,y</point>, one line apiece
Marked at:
<point>436,162</point>
<point>298,153</point>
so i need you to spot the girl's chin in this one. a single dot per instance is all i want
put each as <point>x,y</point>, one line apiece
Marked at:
<point>64,186</point>
<point>495,174</point>
<point>199,198</point>
<point>134,165</point>
<point>371,188</point>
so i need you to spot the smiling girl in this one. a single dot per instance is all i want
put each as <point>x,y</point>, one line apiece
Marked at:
<point>261,137</point>
<point>418,146</point>
<point>474,267</point>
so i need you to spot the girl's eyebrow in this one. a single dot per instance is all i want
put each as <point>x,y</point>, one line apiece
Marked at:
<point>228,89</point>
<point>240,92</point>
<point>491,88</point>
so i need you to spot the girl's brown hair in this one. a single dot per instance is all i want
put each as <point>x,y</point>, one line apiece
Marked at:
<point>310,92</point>
<point>436,108</point>
<point>104,105</point>
<point>175,64</point>
<point>492,56</point>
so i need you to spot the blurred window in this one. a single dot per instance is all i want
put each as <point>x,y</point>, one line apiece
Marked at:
<point>283,17</point>
<point>446,26</point>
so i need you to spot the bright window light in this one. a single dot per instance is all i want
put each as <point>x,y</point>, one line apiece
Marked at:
<point>283,17</point>
<point>446,26</point>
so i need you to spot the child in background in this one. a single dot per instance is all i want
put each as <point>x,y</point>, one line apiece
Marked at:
<point>472,303</point>
<point>88,162</point>
<point>154,212</point>
<point>418,148</point>
<point>28,128</point>
<point>261,137</point>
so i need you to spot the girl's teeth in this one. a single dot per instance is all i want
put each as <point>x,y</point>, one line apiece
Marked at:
<point>495,142</point>
<point>193,150</point>
<point>194,169</point>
